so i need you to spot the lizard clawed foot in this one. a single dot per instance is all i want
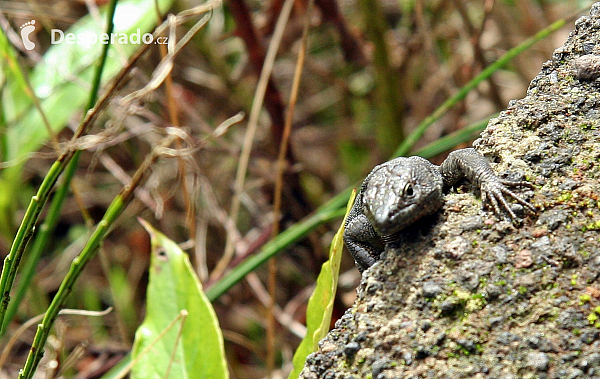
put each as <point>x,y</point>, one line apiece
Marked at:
<point>493,192</point>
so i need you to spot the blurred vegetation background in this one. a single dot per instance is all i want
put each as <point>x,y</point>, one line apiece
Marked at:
<point>373,71</point>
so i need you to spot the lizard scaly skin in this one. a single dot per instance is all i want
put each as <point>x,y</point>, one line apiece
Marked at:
<point>399,192</point>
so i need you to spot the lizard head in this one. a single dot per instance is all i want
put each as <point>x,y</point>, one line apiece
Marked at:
<point>400,192</point>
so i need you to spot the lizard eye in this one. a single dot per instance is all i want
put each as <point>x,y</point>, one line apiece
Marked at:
<point>408,190</point>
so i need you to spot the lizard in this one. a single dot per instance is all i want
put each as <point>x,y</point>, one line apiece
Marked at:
<point>397,193</point>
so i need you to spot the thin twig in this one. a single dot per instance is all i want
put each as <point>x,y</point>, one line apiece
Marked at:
<point>250,132</point>
<point>257,57</point>
<point>174,118</point>
<point>34,320</point>
<point>279,186</point>
<point>350,44</point>
<point>283,318</point>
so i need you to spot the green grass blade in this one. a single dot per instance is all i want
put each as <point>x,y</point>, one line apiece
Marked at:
<point>410,140</point>
<point>88,252</point>
<point>12,74</point>
<point>389,112</point>
<point>320,304</point>
<point>49,225</point>
<point>110,25</point>
<point>271,248</point>
<point>12,260</point>
<point>39,245</point>
<point>448,142</point>
<point>197,350</point>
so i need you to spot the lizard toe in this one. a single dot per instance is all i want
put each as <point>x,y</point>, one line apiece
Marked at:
<point>518,199</point>
<point>496,192</point>
<point>495,198</point>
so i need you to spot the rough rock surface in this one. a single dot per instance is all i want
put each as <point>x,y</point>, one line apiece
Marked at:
<point>471,296</point>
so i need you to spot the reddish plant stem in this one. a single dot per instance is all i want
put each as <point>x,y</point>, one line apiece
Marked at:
<point>349,43</point>
<point>256,52</point>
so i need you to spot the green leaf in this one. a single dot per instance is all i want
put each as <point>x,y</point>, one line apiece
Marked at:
<point>194,350</point>
<point>320,304</point>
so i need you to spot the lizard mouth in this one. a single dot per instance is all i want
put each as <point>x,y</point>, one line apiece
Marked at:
<point>393,222</point>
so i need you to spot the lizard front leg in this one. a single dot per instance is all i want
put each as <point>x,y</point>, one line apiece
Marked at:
<point>362,241</point>
<point>472,165</point>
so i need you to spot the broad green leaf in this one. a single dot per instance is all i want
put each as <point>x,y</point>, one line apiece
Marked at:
<point>192,350</point>
<point>320,304</point>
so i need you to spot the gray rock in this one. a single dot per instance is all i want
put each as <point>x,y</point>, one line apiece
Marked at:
<point>431,289</point>
<point>538,361</point>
